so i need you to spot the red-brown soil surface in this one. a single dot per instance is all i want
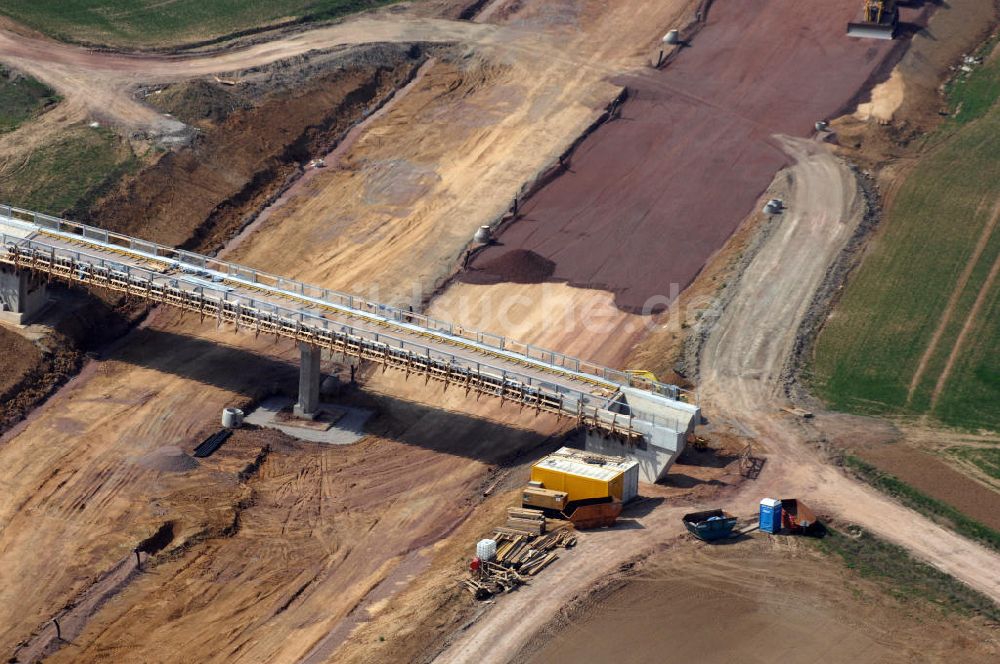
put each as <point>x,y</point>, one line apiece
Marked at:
<point>648,197</point>
<point>19,357</point>
<point>936,478</point>
<point>764,600</point>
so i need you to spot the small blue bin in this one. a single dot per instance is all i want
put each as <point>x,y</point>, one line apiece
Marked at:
<point>770,515</point>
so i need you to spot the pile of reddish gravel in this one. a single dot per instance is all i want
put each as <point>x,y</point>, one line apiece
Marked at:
<point>520,266</point>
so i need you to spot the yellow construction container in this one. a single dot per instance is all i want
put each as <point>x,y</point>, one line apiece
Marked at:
<point>544,498</point>
<point>587,476</point>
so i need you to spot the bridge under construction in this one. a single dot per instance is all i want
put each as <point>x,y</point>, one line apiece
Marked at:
<point>622,413</point>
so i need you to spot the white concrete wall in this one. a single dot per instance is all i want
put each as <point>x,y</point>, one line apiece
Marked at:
<point>21,295</point>
<point>655,456</point>
<point>663,440</point>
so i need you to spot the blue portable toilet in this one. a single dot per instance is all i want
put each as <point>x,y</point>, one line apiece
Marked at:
<point>770,515</point>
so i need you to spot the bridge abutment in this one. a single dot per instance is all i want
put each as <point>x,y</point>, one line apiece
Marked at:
<point>665,425</point>
<point>22,295</point>
<point>309,377</point>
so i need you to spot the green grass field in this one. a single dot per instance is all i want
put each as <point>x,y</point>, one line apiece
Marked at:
<point>68,173</point>
<point>942,229</point>
<point>21,98</point>
<point>985,458</point>
<point>147,23</point>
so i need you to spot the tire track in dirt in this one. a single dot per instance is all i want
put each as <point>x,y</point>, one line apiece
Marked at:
<point>949,310</point>
<point>69,623</point>
<point>740,380</point>
<point>741,368</point>
<point>966,327</point>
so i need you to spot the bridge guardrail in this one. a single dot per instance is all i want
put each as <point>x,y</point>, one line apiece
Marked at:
<point>314,328</point>
<point>333,297</point>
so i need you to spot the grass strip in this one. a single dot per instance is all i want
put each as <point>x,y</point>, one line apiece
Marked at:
<point>903,576</point>
<point>919,501</point>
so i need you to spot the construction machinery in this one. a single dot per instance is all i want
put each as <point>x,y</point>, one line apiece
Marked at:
<point>878,21</point>
<point>642,373</point>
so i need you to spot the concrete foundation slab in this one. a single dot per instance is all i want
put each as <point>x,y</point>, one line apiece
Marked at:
<point>348,427</point>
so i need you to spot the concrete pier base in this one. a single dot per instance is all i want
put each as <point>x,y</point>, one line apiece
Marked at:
<point>22,295</point>
<point>668,423</point>
<point>309,379</point>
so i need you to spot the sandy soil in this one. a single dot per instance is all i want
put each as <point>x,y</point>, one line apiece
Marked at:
<point>649,185</point>
<point>88,503</point>
<point>745,355</point>
<point>922,456</point>
<point>396,184</point>
<point>101,82</point>
<point>197,197</point>
<point>912,87</point>
<point>579,321</point>
<point>741,366</point>
<point>935,477</point>
<point>19,357</point>
<point>763,600</point>
<point>399,211</point>
<point>323,527</point>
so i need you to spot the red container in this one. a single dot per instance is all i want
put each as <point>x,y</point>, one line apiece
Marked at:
<point>474,564</point>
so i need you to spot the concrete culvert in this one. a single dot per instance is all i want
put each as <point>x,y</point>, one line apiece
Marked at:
<point>483,235</point>
<point>673,38</point>
<point>232,417</point>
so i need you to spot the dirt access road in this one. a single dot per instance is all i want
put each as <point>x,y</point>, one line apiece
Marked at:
<point>101,83</point>
<point>742,361</point>
<point>744,358</point>
<point>447,157</point>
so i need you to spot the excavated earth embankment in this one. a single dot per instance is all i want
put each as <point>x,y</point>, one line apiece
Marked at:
<point>253,140</point>
<point>650,196</point>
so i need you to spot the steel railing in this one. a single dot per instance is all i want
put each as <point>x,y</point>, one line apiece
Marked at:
<point>350,304</point>
<point>218,301</point>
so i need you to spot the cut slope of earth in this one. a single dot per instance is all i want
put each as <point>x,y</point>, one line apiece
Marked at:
<point>649,197</point>
<point>917,328</point>
<point>19,357</point>
<point>252,143</point>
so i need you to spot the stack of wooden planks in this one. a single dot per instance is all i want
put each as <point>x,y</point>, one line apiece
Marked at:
<point>527,521</point>
<point>520,554</point>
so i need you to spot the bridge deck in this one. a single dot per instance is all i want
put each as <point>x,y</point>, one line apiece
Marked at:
<point>409,341</point>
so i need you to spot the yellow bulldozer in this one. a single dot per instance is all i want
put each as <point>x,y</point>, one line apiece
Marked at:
<point>879,21</point>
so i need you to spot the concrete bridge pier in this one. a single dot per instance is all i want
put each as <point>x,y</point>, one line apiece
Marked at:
<point>22,295</point>
<point>309,376</point>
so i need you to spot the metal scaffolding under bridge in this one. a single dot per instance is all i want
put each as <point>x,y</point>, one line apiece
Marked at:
<point>319,318</point>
